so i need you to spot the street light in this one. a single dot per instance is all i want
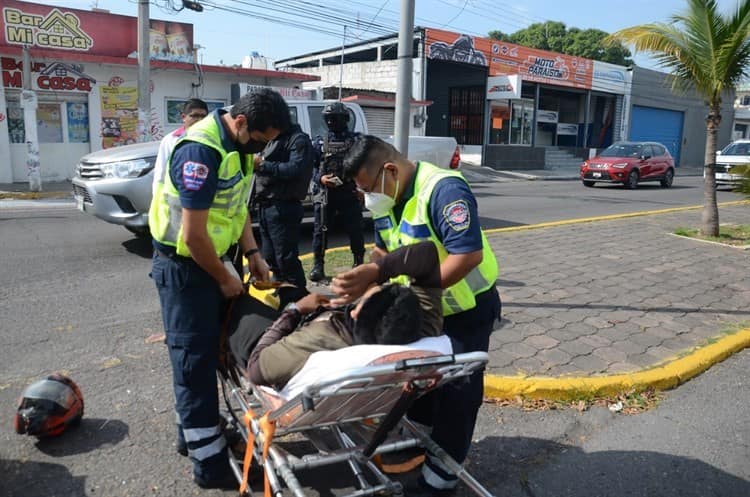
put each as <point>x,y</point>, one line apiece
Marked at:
<point>187,4</point>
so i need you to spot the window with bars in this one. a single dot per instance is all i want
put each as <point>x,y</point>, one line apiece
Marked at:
<point>467,114</point>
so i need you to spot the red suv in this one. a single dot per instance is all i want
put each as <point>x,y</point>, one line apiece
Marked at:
<point>630,163</point>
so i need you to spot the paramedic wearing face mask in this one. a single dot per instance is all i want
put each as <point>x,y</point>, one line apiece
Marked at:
<point>412,202</point>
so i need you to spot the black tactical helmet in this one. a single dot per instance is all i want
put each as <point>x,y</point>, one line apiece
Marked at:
<point>336,109</point>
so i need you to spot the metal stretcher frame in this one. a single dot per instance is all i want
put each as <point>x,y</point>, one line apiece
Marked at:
<point>373,396</point>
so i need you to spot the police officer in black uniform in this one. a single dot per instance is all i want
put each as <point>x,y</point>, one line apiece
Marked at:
<point>283,172</point>
<point>332,195</point>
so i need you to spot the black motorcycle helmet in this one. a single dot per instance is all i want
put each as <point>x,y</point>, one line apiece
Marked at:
<point>336,116</point>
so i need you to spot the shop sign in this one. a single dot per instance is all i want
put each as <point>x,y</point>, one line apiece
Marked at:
<point>567,129</point>
<point>96,33</point>
<point>503,58</point>
<point>51,30</point>
<point>288,93</point>
<point>503,87</point>
<point>57,76</point>
<point>610,78</point>
<point>546,116</point>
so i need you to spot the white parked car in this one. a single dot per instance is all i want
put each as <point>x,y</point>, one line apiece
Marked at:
<point>729,161</point>
<point>115,184</point>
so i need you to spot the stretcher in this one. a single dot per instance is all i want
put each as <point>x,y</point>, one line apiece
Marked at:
<point>352,418</point>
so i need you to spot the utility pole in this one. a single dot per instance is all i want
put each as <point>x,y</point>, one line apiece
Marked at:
<point>341,67</point>
<point>144,74</point>
<point>403,83</point>
<point>29,103</point>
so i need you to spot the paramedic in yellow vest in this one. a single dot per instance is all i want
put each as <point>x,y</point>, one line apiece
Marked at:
<point>411,202</point>
<point>198,211</point>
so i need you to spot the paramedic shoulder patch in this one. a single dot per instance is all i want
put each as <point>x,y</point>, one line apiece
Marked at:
<point>194,174</point>
<point>456,214</point>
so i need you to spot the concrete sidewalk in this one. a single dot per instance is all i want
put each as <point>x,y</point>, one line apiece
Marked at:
<point>606,305</point>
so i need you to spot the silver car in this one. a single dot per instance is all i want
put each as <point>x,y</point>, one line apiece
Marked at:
<point>115,185</point>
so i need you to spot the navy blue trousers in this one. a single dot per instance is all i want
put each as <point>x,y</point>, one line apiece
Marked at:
<point>192,306</point>
<point>280,223</point>
<point>452,409</point>
<point>344,206</point>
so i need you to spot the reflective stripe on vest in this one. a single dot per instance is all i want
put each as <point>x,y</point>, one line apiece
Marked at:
<point>228,211</point>
<point>415,227</point>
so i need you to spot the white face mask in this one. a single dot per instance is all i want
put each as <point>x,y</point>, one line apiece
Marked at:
<point>380,203</point>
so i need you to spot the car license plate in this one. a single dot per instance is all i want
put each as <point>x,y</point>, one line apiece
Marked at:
<point>79,203</point>
<point>597,175</point>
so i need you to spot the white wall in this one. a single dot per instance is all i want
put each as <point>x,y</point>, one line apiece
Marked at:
<point>377,75</point>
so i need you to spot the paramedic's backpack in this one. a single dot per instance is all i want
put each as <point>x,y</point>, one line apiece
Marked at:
<point>251,314</point>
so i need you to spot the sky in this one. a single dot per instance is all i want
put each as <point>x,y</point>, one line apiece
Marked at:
<point>227,37</point>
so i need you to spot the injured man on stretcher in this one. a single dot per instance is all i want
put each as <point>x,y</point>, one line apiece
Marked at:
<point>387,314</point>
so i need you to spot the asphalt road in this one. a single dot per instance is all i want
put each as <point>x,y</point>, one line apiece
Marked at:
<point>75,297</point>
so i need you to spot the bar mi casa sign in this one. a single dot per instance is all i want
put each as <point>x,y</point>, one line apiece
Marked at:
<point>54,30</point>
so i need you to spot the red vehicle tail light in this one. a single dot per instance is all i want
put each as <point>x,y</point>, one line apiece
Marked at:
<point>456,159</point>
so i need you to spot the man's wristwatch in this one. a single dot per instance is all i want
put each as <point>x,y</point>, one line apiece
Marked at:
<point>249,253</point>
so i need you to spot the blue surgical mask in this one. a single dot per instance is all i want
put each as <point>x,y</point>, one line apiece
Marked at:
<point>378,203</point>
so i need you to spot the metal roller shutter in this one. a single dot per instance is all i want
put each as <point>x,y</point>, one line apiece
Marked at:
<point>659,125</point>
<point>380,120</point>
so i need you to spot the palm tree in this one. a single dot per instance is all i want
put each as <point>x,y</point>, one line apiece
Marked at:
<point>708,51</point>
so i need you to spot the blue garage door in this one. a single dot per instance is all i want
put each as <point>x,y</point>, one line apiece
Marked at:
<point>658,125</point>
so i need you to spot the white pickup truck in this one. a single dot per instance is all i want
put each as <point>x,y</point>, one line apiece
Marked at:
<point>115,184</point>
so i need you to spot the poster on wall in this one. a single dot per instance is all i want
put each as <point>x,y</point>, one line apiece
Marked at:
<point>78,122</point>
<point>49,123</point>
<point>16,127</point>
<point>174,109</point>
<point>504,58</point>
<point>119,115</point>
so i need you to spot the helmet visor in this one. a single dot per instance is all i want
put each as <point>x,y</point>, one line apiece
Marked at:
<point>50,390</point>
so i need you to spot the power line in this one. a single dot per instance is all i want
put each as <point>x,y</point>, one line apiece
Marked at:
<point>466,2</point>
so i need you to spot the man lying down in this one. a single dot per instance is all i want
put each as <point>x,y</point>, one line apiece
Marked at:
<point>387,314</point>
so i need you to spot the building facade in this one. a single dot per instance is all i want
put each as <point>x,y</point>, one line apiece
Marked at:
<point>83,78</point>
<point>741,125</point>
<point>522,108</point>
<point>677,119</point>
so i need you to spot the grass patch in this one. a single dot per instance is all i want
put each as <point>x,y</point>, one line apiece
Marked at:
<point>629,402</point>
<point>730,234</point>
<point>337,261</point>
<point>33,195</point>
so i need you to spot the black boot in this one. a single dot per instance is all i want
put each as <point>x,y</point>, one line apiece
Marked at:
<point>318,271</point>
<point>358,260</point>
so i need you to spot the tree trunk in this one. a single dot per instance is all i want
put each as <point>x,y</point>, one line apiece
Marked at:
<point>710,216</point>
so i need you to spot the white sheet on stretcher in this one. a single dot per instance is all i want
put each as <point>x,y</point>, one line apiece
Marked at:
<point>328,362</point>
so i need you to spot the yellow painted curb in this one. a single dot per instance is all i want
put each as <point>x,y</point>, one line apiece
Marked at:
<point>663,377</point>
<point>610,217</point>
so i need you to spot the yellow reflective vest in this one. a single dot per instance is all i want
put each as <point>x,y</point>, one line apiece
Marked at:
<point>228,211</point>
<point>415,226</point>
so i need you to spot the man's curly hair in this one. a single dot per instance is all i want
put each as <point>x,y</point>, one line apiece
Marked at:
<point>391,316</point>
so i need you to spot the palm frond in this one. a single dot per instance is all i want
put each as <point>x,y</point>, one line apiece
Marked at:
<point>701,47</point>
